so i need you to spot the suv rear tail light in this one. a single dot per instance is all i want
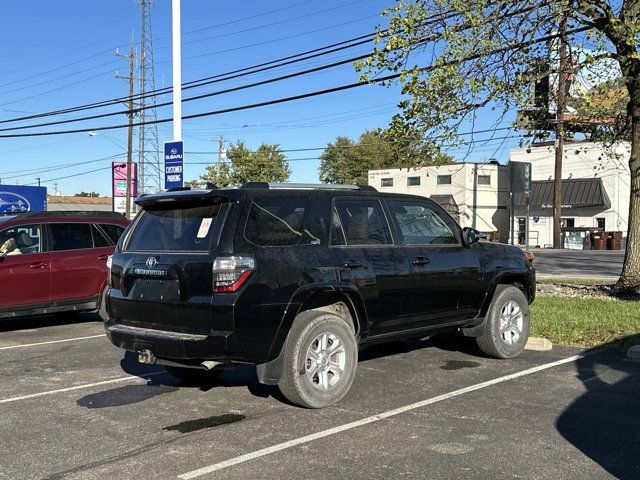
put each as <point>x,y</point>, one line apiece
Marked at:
<point>229,273</point>
<point>529,256</point>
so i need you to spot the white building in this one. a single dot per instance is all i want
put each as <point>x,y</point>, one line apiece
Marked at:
<point>596,188</point>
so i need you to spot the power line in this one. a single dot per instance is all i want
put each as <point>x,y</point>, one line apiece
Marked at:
<point>482,141</point>
<point>300,96</point>
<point>190,99</point>
<point>237,88</point>
<point>309,54</point>
<point>261,67</point>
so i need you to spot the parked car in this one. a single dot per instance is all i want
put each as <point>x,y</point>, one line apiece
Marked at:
<point>55,261</point>
<point>294,279</point>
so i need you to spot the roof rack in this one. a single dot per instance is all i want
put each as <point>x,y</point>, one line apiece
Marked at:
<point>67,213</point>
<point>306,186</point>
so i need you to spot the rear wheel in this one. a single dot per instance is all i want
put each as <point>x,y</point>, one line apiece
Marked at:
<point>507,324</point>
<point>320,359</point>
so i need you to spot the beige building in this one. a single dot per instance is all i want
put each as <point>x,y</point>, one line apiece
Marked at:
<point>476,195</point>
<point>596,189</point>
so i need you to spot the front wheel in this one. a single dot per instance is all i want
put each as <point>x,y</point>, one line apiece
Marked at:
<point>320,359</point>
<point>507,324</point>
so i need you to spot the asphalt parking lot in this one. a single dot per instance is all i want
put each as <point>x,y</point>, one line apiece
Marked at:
<point>578,263</point>
<point>73,406</point>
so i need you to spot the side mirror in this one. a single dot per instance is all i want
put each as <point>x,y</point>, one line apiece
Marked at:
<point>470,236</point>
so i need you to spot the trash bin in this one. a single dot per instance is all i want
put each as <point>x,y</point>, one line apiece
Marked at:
<point>599,242</point>
<point>613,243</point>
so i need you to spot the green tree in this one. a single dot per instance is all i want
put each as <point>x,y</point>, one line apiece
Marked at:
<point>454,57</point>
<point>348,161</point>
<point>87,194</point>
<point>266,164</point>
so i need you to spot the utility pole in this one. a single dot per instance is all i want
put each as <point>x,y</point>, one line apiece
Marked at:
<point>130,113</point>
<point>219,163</point>
<point>561,105</point>
<point>38,179</point>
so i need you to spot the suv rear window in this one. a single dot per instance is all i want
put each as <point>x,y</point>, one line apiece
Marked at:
<point>189,229</point>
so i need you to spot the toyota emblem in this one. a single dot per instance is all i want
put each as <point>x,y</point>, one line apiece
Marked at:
<point>151,262</point>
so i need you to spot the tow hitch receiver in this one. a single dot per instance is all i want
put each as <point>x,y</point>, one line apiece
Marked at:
<point>145,356</point>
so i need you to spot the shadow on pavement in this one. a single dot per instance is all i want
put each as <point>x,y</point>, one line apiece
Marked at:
<point>40,321</point>
<point>604,423</point>
<point>238,376</point>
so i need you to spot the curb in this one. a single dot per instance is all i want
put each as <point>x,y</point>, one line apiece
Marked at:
<point>544,345</point>
<point>633,354</point>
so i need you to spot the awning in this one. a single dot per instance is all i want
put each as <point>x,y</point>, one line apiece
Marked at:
<point>448,203</point>
<point>576,193</point>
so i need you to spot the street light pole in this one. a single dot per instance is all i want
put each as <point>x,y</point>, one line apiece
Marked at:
<point>177,70</point>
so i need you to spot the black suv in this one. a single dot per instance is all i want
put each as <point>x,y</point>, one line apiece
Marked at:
<point>293,278</point>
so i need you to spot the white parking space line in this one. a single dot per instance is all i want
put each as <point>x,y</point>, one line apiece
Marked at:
<point>374,418</point>
<point>128,378</point>
<point>51,342</point>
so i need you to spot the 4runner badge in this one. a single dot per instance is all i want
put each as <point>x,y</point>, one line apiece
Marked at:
<point>151,262</point>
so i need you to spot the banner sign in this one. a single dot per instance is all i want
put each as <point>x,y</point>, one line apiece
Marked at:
<point>173,164</point>
<point>20,198</point>
<point>119,186</point>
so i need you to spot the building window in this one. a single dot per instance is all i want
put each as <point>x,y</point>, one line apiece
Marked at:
<point>386,182</point>
<point>484,179</point>
<point>601,223</point>
<point>568,222</point>
<point>413,181</point>
<point>444,180</point>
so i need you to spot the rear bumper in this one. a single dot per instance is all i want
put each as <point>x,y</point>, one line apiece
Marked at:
<point>171,345</point>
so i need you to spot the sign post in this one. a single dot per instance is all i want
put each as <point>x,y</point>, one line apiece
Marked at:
<point>173,164</point>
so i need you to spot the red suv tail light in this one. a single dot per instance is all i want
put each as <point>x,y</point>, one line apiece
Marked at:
<point>229,273</point>
<point>109,265</point>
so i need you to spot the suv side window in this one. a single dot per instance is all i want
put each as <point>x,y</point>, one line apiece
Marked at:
<point>70,236</point>
<point>278,222</point>
<point>421,224</point>
<point>113,231</point>
<point>99,238</point>
<point>20,240</point>
<point>362,221</point>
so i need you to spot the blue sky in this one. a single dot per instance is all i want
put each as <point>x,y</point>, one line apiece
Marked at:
<point>60,54</point>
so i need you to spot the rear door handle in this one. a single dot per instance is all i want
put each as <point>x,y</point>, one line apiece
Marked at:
<point>420,261</point>
<point>38,265</point>
<point>353,264</point>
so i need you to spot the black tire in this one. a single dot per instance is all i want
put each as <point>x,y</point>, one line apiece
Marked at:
<point>194,376</point>
<point>500,340</point>
<point>102,310</point>
<point>299,384</point>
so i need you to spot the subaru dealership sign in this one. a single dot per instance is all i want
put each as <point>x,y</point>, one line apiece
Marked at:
<point>18,198</point>
<point>173,164</point>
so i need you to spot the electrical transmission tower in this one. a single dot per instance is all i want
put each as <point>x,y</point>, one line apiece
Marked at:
<point>149,168</point>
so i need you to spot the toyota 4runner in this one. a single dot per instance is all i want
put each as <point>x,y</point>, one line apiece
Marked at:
<point>293,278</point>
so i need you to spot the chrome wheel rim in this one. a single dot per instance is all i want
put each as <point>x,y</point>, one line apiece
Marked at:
<point>325,361</point>
<point>511,322</point>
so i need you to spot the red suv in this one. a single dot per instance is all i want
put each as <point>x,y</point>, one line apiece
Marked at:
<point>55,261</point>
